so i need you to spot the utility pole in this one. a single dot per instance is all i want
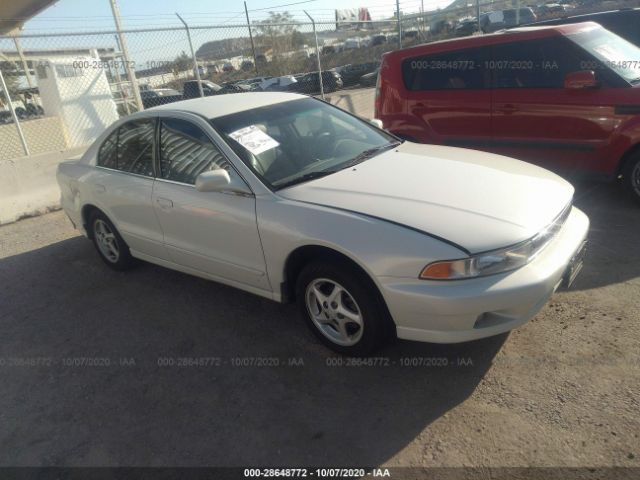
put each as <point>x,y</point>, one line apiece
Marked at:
<point>399,24</point>
<point>193,55</point>
<point>317,54</point>
<point>125,52</point>
<point>253,47</point>
<point>119,79</point>
<point>23,60</point>
<point>478,15</point>
<point>13,114</point>
<point>517,12</point>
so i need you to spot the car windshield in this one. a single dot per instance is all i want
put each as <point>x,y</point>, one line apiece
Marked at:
<point>612,51</point>
<point>298,140</point>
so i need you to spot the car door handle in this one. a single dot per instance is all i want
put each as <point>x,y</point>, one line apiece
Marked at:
<point>508,109</point>
<point>164,203</point>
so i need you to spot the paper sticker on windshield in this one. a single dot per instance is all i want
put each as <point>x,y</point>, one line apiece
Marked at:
<point>254,139</point>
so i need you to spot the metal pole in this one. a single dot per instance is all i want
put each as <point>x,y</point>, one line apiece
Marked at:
<point>125,101</point>
<point>193,55</point>
<point>13,114</point>
<point>478,15</point>
<point>517,12</point>
<point>424,36</point>
<point>317,54</point>
<point>399,24</point>
<point>25,67</point>
<point>125,52</point>
<point>253,47</point>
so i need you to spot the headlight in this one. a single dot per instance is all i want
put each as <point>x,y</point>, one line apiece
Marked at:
<point>495,261</point>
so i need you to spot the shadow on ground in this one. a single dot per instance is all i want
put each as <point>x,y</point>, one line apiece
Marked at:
<point>615,226</point>
<point>62,306</point>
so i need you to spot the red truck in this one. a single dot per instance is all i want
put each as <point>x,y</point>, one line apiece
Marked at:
<point>565,97</point>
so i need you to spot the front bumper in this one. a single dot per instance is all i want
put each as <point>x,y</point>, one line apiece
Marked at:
<point>463,310</point>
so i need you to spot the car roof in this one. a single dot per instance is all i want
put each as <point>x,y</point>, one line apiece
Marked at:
<point>222,105</point>
<point>501,36</point>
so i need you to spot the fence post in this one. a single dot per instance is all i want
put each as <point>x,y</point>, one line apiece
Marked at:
<point>193,55</point>
<point>25,66</point>
<point>125,52</point>
<point>313,23</point>
<point>399,24</point>
<point>253,47</point>
<point>13,114</point>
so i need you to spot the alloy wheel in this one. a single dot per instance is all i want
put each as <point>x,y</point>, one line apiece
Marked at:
<point>106,241</point>
<point>334,312</point>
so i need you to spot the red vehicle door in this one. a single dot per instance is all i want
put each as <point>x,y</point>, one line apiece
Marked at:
<point>536,119</point>
<point>448,98</point>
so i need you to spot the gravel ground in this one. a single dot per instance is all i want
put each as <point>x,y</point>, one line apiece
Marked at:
<point>562,390</point>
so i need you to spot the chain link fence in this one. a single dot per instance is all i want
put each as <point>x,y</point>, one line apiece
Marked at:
<point>61,90</point>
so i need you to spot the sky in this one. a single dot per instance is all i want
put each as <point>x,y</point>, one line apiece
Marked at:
<point>151,48</point>
<point>82,15</point>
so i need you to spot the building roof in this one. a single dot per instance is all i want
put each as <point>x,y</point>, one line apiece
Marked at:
<point>14,13</point>
<point>221,105</point>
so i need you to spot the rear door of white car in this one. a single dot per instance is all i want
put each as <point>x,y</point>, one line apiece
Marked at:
<point>122,185</point>
<point>212,232</point>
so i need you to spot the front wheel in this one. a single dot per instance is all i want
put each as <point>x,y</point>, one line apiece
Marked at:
<point>631,177</point>
<point>343,309</point>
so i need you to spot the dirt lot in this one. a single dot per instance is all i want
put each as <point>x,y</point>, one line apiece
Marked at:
<point>564,390</point>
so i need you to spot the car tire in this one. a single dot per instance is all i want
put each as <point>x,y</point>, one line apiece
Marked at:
<point>110,246</point>
<point>352,320</point>
<point>631,176</point>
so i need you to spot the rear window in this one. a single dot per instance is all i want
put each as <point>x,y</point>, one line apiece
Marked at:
<point>459,70</point>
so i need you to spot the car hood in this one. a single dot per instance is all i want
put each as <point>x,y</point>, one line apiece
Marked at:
<point>476,200</point>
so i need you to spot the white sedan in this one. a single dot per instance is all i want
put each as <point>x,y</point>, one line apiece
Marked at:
<point>290,198</point>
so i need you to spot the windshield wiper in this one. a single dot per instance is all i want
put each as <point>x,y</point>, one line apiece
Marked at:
<point>367,154</point>
<point>305,178</point>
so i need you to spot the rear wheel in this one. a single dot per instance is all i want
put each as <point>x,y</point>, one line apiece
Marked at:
<point>631,176</point>
<point>343,309</point>
<point>112,248</point>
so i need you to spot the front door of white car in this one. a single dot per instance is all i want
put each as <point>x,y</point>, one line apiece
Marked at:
<point>212,232</point>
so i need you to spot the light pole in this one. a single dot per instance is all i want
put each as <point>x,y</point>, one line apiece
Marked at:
<point>317,54</point>
<point>125,53</point>
<point>193,55</point>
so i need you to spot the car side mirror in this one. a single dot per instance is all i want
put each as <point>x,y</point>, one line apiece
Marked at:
<point>581,80</point>
<point>219,180</point>
<point>213,180</point>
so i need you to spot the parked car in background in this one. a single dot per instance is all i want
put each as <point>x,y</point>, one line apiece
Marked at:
<point>159,96</point>
<point>552,9</point>
<point>370,79</point>
<point>190,89</point>
<point>310,82</point>
<point>466,27</point>
<point>378,39</point>
<point>494,21</point>
<point>351,74</point>
<point>563,97</point>
<point>278,84</point>
<point>625,22</point>
<point>294,199</point>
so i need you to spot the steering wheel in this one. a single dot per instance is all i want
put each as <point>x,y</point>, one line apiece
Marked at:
<point>323,145</point>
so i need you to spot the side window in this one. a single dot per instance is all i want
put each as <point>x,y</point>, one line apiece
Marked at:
<point>107,155</point>
<point>533,64</point>
<point>186,152</point>
<point>460,70</point>
<point>135,147</point>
